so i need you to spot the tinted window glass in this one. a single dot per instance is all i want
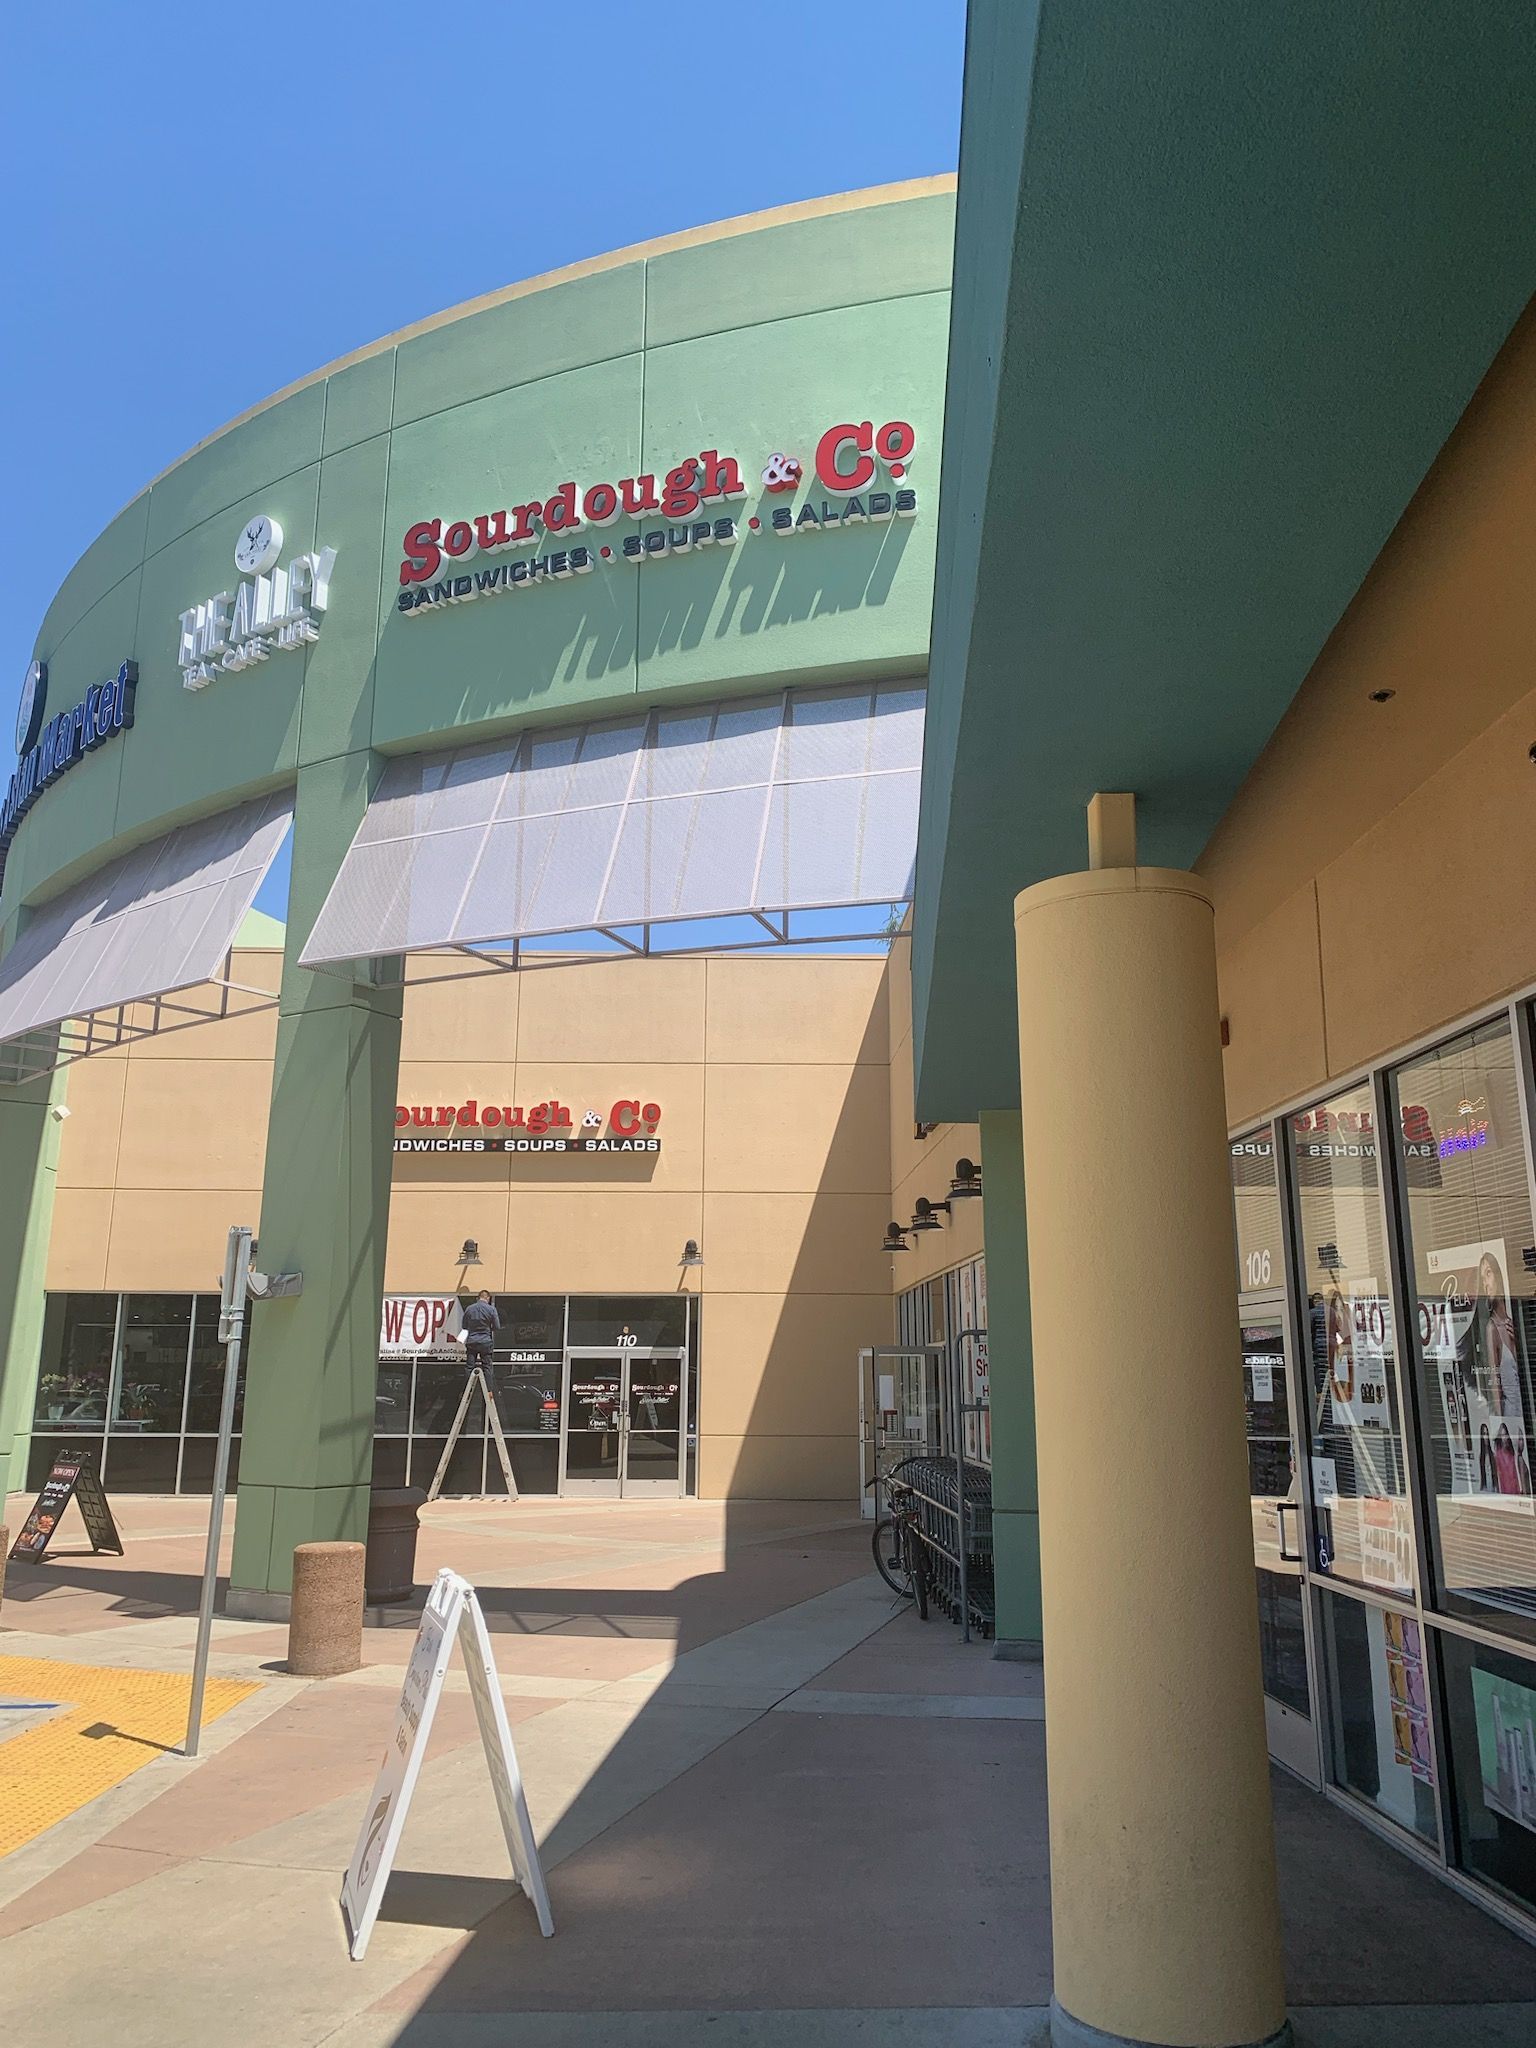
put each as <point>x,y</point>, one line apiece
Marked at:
<point>1490,1708</point>
<point>74,1382</point>
<point>1256,1206</point>
<point>153,1376</point>
<point>1377,1699</point>
<point>531,1323</point>
<point>205,1392</point>
<point>1467,1208</point>
<point>651,1320</point>
<point>1363,1520</point>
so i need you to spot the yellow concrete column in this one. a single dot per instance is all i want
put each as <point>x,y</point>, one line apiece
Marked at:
<point>1162,1857</point>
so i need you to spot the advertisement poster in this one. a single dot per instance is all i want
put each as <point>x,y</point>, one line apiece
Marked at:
<point>1506,1746</point>
<point>71,1477</point>
<point>1386,1544</point>
<point>1469,1337</point>
<point>1410,1697</point>
<point>1353,1333</point>
<point>1361,1339</point>
<point>1442,1332</point>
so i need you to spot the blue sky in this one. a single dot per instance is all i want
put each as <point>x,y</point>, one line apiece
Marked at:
<point>208,201</point>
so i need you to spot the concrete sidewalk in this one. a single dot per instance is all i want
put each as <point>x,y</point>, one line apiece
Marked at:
<point>773,1810</point>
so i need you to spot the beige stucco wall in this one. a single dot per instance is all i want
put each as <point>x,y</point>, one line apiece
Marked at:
<point>1373,877</point>
<point>773,1078</point>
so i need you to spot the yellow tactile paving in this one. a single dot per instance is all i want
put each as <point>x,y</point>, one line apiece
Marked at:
<point>111,1723</point>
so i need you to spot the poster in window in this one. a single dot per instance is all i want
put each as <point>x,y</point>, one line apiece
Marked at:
<point>1410,1697</point>
<point>1506,1745</point>
<point>1444,1343</point>
<point>1386,1543</point>
<point>966,1287</point>
<point>1364,1367</point>
<point>983,1364</point>
<point>1469,1335</point>
<point>1354,1399</point>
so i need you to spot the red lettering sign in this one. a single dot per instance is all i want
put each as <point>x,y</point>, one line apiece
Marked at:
<point>628,1116</point>
<point>848,459</point>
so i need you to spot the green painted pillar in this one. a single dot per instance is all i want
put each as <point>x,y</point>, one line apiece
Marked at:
<point>1010,1358</point>
<point>29,1158</point>
<point>307,1450</point>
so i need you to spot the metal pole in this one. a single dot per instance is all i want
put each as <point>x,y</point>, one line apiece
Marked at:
<point>237,1262</point>
<point>958,1405</point>
<point>974,1332</point>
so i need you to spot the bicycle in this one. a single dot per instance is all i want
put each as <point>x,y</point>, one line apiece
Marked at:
<point>897,1543</point>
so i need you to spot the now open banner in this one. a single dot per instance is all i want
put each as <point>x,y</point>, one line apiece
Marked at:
<point>419,1326</point>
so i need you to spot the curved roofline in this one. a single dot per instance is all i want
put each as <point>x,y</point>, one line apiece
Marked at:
<point>589,266</point>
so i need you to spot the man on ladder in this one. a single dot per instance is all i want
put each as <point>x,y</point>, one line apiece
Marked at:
<point>481,1326</point>
<point>478,1328</point>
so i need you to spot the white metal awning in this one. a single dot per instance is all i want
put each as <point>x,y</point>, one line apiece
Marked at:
<point>156,920</point>
<point>803,800</point>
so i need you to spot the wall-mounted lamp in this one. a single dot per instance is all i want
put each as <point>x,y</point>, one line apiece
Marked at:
<point>692,1256</point>
<point>469,1253</point>
<point>967,1180</point>
<point>923,1217</point>
<point>895,1238</point>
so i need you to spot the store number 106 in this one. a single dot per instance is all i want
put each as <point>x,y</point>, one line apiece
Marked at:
<point>1256,1269</point>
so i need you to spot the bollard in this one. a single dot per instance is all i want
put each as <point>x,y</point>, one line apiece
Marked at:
<point>325,1614</point>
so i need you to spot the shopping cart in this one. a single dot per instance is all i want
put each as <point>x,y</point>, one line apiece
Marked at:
<point>956,1535</point>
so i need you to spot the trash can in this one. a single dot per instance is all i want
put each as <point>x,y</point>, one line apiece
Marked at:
<point>389,1572</point>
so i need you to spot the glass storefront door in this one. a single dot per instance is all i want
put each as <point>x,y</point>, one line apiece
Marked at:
<point>624,1423</point>
<point>653,1423</point>
<point>1271,1410</point>
<point>594,1393</point>
<point>1279,1555</point>
<point>1363,1522</point>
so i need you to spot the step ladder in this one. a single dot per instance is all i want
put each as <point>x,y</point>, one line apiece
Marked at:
<point>475,1379</point>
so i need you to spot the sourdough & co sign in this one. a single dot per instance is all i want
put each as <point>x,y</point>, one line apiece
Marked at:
<point>472,1126</point>
<point>857,468</point>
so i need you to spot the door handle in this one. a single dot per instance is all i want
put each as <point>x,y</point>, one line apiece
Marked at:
<point>1287,1556</point>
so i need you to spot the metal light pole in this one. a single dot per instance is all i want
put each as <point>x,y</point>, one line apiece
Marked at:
<point>232,1298</point>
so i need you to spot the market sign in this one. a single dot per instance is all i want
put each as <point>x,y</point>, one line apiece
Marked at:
<point>50,748</point>
<point>857,467</point>
<point>472,1126</point>
<point>271,610</point>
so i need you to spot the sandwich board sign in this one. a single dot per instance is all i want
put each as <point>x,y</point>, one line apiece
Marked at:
<point>452,1614</point>
<point>72,1477</point>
